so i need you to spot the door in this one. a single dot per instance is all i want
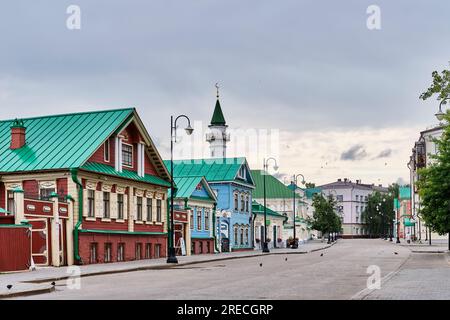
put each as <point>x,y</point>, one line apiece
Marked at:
<point>178,230</point>
<point>39,241</point>
<point>274,236</point>
<point>225,245</point>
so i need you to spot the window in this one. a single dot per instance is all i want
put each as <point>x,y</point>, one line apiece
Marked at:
<point>236,202</point>
<point>242,202</point>
<point>120,206</point>
<point>106,205</point>
<point>11,203</point>
<point>139,209</point>
<point>157,250</point>
<point>246,236</point>
<point>138,251</point>
<point>357,198</point>
<point>242,236</point>
<point>148,251</point>
<point>340,198</point>
<point>45,193</point>
<point>206,219</point>
<point>121,252</point>
<point>108,247</point>
<point>149,210</point>
<point>91,203</point>
<point>106,150</point>
<point>247,201</point>
<point>191,218</point>
<point>241,173</point>
<point>127,155</point>
<point>235,235</point>
<point>199,219</point>
<point>357,209</point>
<point>158,210</point>
<point>93,252</point>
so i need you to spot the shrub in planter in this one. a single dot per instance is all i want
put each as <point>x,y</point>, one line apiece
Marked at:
<point>257,240</point>
<point>279,240</point>
<point>268,239</point>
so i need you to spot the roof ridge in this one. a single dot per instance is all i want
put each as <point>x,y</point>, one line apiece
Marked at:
<point>71,114</point>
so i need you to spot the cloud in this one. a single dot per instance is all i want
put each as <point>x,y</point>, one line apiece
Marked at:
<point>386,153</point>
<point>357,152</point>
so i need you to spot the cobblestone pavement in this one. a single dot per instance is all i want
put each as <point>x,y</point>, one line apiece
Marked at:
<point>423,276</point>
<point>40,279</point>
<point>338,272</point>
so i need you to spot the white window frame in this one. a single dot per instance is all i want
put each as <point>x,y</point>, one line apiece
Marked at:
<point>107,150</point>
<point>132,155</point>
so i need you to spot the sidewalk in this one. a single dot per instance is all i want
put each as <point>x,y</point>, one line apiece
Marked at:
<point>437,246</point>
<point>38,281</point>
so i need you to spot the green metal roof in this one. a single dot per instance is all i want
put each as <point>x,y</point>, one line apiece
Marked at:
<point>310,192</point>
<point>59,141</point>
<point>258,208</point>
<point>275,189</point>
<point>105,169</point>
<point>212,169</point>
<point>186,185</point>
<point>218,119</point>
<point>404,192</point>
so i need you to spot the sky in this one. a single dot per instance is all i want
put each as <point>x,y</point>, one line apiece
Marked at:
<point>337,99</point>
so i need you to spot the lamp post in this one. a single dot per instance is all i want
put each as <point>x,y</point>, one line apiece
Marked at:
<point>171,258</point>
<point>294,187</point>
<point>440,115</point>
<point>265,246</point>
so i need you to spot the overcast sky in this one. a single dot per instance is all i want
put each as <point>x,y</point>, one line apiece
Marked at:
<point>343,98</point>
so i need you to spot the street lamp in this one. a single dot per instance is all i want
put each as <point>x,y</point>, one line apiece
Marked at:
<point>294,188</point>
<point>440,115</point>
<point>265,246</point>
<point>173,137</point>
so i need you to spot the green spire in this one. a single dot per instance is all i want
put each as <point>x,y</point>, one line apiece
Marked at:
<point>218,118</point>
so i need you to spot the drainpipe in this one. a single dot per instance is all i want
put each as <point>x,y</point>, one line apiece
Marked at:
<point>214,228</point>
<point>76,248</point>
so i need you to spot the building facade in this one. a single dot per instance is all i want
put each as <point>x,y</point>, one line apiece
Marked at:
<point>422,151</point>
<point>280,199</point>
<point>197,199</point>
<point>92,186</point>
<point>274,224</point>
<point>232,183</point>
<point>352,199</point>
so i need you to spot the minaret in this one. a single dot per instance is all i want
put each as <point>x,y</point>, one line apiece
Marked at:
<point>218,137</point>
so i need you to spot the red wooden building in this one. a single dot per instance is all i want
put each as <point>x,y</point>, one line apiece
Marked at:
<point>92,187</point>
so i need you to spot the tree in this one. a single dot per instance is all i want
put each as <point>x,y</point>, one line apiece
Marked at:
<point>434,185</point>
<point>379,212</point>
<point>439,87</point>
<point>434,180</point>
<point>324,217</point>
<point>310,185</point>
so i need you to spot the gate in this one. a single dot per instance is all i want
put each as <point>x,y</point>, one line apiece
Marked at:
<point>39,241</point>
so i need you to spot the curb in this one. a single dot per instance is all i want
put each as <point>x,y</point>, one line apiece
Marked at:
<point>171,266</point>
<point>27,292</point>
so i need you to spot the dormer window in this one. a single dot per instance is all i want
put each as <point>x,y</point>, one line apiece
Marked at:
<point>127,155</point>
<point>241,173</point>
<point>106,151</point>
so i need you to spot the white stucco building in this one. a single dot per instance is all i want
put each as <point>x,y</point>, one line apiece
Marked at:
<point>352,198</point>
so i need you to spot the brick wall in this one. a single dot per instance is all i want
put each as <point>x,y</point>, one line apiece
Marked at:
<point>130,241</point>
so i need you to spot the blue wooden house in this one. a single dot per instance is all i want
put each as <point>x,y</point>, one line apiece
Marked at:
<point>232,182</point>
<point>195,196</point>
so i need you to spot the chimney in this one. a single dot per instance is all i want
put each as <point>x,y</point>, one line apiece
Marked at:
<point>339,180</point>
<point>17,134</point>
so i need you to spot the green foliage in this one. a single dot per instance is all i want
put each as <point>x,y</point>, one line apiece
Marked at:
<point>310,185</point>
<point>379,212</point>
<point>324,217</point>
<point>439,87</point>
<point>434,185</point>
